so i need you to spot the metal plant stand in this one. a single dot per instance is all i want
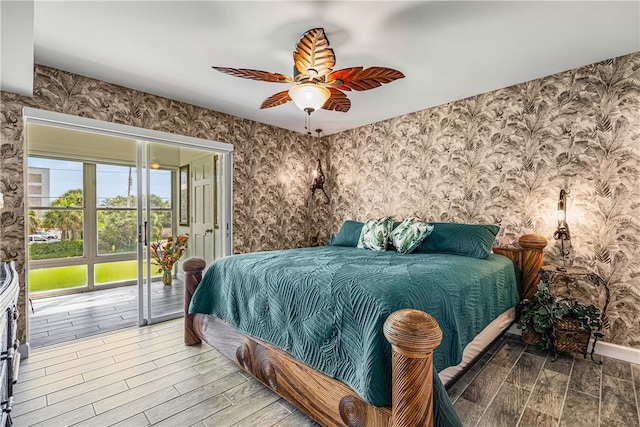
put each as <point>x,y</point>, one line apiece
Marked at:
<point>569,275</point>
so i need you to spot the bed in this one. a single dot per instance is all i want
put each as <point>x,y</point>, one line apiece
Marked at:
<point>311,323</point>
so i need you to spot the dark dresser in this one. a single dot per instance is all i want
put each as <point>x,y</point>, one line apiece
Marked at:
<point>9,356</point>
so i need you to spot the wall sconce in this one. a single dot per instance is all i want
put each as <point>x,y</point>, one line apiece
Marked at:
<point>562,231</point>
<point>318,182</point>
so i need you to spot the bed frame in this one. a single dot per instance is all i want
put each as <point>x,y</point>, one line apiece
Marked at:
<point>413,336</point>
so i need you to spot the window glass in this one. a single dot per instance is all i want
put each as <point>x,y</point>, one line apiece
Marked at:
<point>117,203</point>
<point>54,183</point>
<point>160,188</point>
<point>160,225</point>
<point>55,222</point>
<point>117,231</point>
<point>121,271</point>
<point>57,278</point>
<point>116,186</point>
<point>55,233</point>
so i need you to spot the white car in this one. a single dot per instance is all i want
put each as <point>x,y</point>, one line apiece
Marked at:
<point>40,238</point>
<point>47,235</point>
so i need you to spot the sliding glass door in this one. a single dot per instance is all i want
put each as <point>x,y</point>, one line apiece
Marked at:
<point>96,224</point>
<point>160,289</point>
<point>135,217</point>
<point>109,203</point>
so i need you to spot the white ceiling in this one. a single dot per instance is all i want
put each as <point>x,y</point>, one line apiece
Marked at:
<point>447,50</point>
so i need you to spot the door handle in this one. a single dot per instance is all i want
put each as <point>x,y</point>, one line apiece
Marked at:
<point>142,234</point>
<point>208,231</point>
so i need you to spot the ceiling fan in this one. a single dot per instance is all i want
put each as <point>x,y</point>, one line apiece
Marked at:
<point>316,84</point>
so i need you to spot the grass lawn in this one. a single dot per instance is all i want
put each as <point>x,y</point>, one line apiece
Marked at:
<point>48,279</point>
<point>116,271</point>
<point>55,278</point>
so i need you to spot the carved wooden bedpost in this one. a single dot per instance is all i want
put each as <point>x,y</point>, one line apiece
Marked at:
<point>192,268</point>
<point>529,258</point>
<point>413,335</point>
<point>532,259</point>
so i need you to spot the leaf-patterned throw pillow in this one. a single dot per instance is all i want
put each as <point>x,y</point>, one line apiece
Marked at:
<point>409,234</point>
<point>375,234</point>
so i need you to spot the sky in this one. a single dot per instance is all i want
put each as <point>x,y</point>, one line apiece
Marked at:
<point>111,180</point>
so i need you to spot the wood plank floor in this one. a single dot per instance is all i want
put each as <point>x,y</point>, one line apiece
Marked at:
<point>146,376</point>
<point>65,318</point>
<point>139,377</point>
<point>515,384</point>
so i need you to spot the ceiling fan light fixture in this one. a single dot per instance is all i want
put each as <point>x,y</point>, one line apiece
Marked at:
<point>313,74</point>
<point>309,97</point>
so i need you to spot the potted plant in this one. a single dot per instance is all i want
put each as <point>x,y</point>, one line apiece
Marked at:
<point>164,254</point>
<point>558,324</point>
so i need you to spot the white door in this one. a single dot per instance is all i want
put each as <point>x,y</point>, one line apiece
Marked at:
<point>203,178</point>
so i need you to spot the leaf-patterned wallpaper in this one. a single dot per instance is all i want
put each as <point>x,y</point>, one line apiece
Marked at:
<point>502,157</point>
<point>273,206</point>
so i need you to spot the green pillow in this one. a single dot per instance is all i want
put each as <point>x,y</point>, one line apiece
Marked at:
<point>409,234</point>
<point>375,234</point>
<point>348,235</point>
<point>474,240</point>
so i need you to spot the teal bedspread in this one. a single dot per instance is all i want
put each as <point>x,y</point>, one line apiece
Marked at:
<point>326,306</point>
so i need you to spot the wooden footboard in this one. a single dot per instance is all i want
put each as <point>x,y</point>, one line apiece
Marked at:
<point>413,336</point>
<point>326,400</point>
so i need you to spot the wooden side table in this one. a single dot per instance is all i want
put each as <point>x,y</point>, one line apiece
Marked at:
<point>569,275</point>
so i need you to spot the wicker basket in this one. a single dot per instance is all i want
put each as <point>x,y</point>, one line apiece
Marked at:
<point>571,337</point>
<point>531,337</point>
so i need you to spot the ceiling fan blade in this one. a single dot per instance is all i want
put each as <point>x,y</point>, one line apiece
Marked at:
<point>364,79</point>
<point>338,101</point>
<point>338,77</point>
<point>313,57</point>
<point>263,76</point>
<point>277,99</point>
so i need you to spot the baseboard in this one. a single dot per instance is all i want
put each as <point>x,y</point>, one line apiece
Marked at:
<point>620,352</point>
<point>514,330</point>
<point>615,351</point>
<point>24,350</point>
